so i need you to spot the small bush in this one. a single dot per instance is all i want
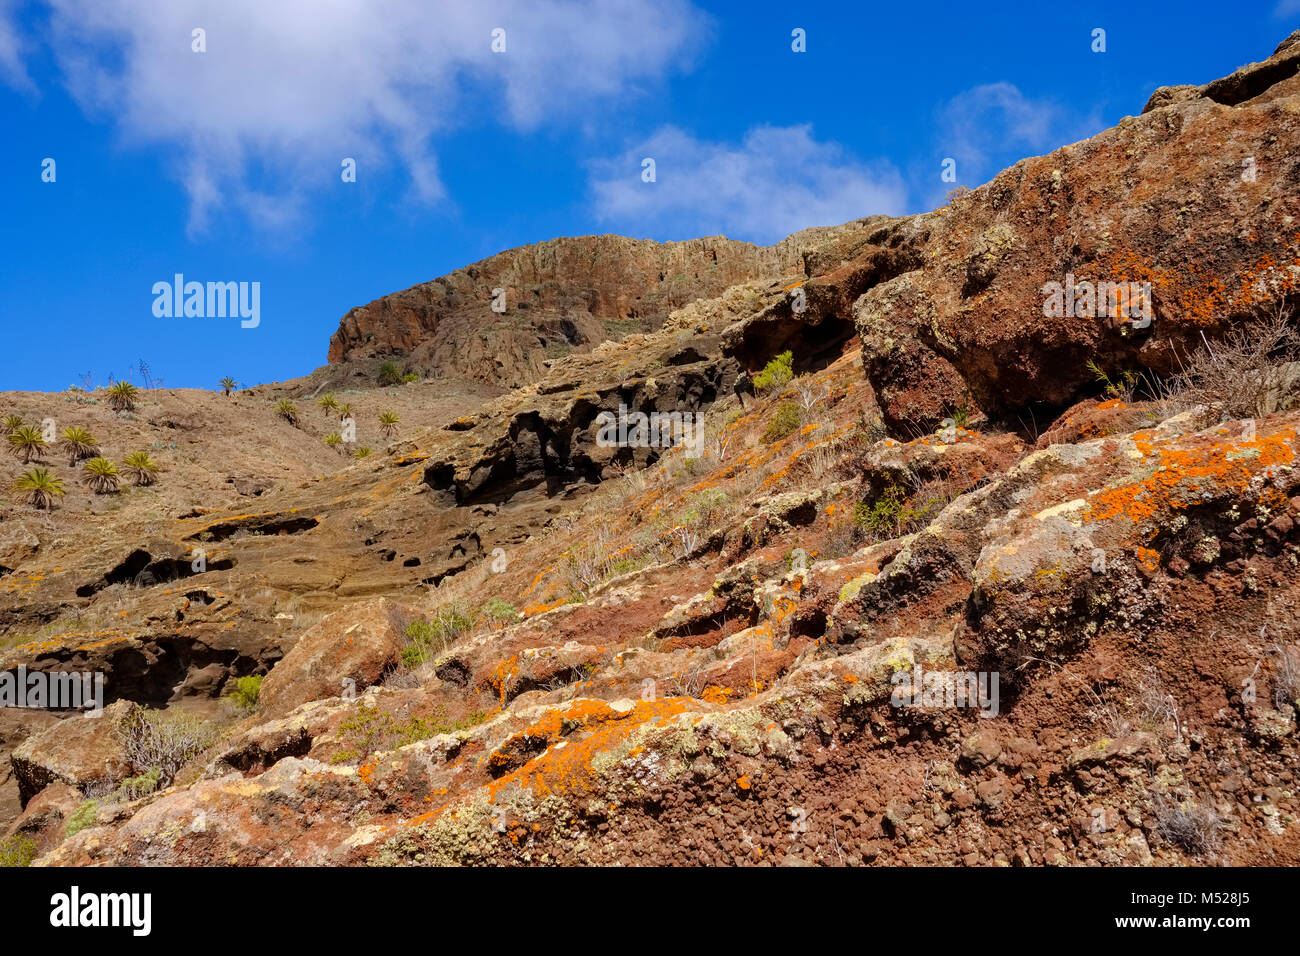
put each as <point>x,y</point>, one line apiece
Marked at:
<point>371,729</point>
<point>82,817</point>
<point>706,507</point>
<point>498,610</point>
<point>1193,827</point>
<point>431,638</point>
<point>17,850</point>
<point>244,691</point>
<point>1250,373</point>
<point>881,517</point>
<point>785,422</point>
<point>389,374</point>
<point>410,377</point>
<point>133,788</point>
<point>776,373</point>
<point>162,741</point>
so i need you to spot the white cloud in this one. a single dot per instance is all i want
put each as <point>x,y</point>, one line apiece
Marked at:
<point>287,88</point>
<point>12,71</point>
<point>996,119</point>
<point>778,180</point>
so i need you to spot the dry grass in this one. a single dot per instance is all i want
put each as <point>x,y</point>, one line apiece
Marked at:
<point>1252,372</point>
<point>1194,827</point>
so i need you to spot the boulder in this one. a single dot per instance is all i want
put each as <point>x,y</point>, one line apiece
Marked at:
<point>360,644</point>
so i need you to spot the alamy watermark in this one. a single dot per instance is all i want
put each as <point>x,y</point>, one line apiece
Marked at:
<point>926,689</point>
<point>1107,300</point>
<point>212,300</point>
<point>53,690</point>
<point>651,430</point>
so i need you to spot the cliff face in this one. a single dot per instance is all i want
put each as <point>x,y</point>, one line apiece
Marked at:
<point>877,618</point>
<point>560,296</point>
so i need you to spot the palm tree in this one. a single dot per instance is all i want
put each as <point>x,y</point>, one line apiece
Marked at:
<point>121,396</point>
<point>334,440</point>
<point>328,403</point>
<point>141,467</point>
<point>228,385</point>
<point>362,452</point>
<point>78,444</point>
<point>388,422</point>
<point>27,443</point>
<point>11,424</point>
<point>101,475</point>
<point>40,486</point>
<point>288,411</point>
<point>345,411</point>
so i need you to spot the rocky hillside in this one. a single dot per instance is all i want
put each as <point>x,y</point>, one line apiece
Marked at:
<point>550,299</point>
<point>958,581</point>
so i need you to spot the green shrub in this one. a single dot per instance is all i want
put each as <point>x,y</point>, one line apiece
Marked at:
<point>776,373</point>
<point>892,513</point>
<point>389,373</point>
<point>82,817</point>
<point>371,729</point>
<point>783,423</point>
<point>244,691</point>
<point>705,507</point>
<point>431,638</point>
<point>498,610</point>
<point>133,788</point>
<point>410,377</point>
<point>882,517</point>
<point>17,850</point>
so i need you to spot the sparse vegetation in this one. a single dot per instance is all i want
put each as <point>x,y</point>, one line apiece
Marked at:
<point>371,729</point>
<point>361,452</point>
<point>328,404</point>
<point>498,611</point>
<point>1252,372</point>
<point>244,691</point>
<point>388,422</point>
<point>785,422</point>
<point>133,788</point>
<point>389,373</point>
<point>102,476</point>
<point>287,410</point>
<point>78,444</point>
<point>11,424</point>
<point>122,396</point>
<point>41,487</point>
<point>883,518</point>
<point>81,818</point>
<point>1194,827</point>
<point>26,443</point>
<point>430,638</point>
<point>228,385</point>
<point>17,850</point>
<point>142,469</point>
<point>162,741</point>
<point>775,373</point>
<point>334,440</point>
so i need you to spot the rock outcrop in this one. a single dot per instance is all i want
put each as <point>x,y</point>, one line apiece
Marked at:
<point>936,599</point>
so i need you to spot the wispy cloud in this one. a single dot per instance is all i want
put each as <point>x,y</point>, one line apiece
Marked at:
<point>287,88</point>
<point>12,71</point>
<point>776,181</point>
<point>987,126</point>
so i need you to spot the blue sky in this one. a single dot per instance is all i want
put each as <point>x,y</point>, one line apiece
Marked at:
<point>225,165</point>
